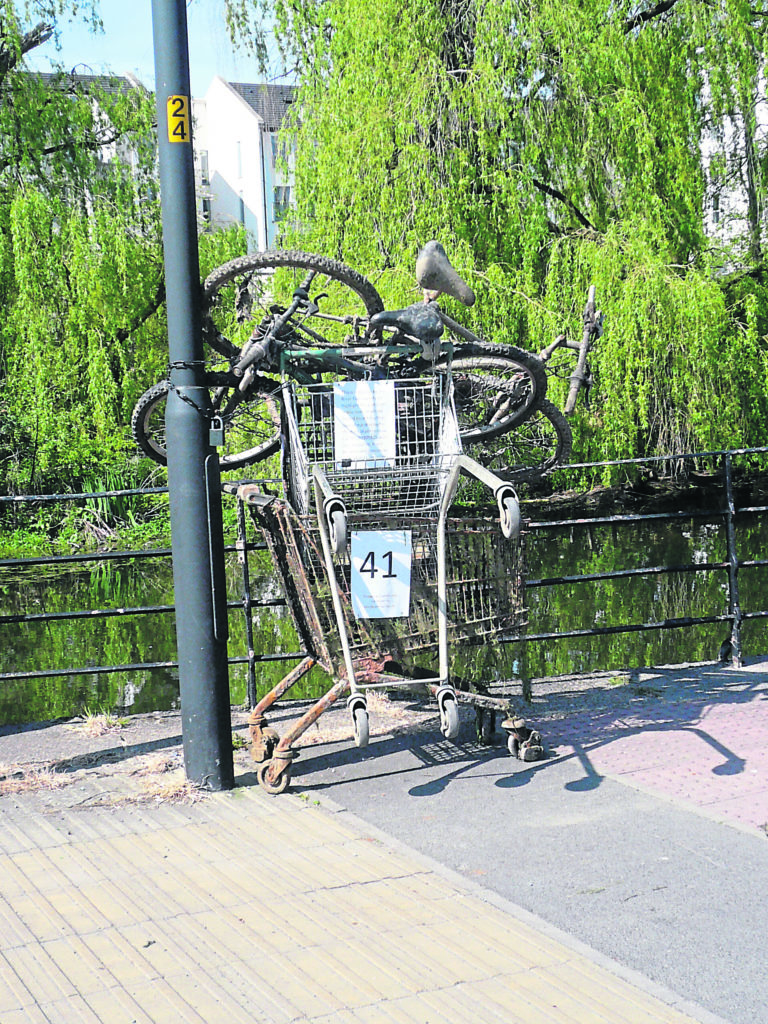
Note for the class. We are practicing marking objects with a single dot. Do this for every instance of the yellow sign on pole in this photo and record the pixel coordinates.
(178, 119)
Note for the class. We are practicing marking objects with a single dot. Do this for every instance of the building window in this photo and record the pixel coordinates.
(207, 211)
(204, 172)
(716, 208)
(242, 210)
(280, 150)
(282, 201)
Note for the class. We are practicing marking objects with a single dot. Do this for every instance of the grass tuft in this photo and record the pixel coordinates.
(99, 723)
(20, 779)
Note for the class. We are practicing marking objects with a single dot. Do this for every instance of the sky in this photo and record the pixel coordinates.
(126, 45)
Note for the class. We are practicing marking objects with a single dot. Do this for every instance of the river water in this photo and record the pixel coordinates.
(564, 551)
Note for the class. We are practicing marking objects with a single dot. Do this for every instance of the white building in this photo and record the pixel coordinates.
(244, 176)
(732, 208)
(108, 144)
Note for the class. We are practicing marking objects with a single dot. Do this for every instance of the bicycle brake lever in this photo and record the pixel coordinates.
(261, 351)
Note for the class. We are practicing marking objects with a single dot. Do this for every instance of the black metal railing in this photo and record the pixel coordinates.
(246, 602)
(725, 510)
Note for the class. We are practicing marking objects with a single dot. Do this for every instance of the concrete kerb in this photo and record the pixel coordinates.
(634, 978)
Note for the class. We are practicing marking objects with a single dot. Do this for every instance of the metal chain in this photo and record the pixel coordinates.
(193, 364)
(181, 364)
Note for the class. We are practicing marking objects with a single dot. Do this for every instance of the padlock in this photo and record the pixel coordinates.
(216, 432)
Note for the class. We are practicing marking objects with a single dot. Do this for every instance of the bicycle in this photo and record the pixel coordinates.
(272, 314)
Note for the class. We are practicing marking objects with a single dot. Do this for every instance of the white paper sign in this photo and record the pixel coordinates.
(381, 573)
(364, 421)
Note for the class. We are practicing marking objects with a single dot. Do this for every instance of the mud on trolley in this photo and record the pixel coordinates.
(375, 572)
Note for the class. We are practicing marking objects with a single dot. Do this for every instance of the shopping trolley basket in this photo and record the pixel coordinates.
(374, 571)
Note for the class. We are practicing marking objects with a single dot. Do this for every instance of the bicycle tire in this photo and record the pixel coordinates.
(246, 291)
(531, 451)
(494, 390)
(256, 417)
(471, 344)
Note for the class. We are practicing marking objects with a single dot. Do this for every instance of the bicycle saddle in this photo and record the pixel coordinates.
(435, 273)
(421, 321)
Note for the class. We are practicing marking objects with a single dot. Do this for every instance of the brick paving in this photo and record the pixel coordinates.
(710, 753)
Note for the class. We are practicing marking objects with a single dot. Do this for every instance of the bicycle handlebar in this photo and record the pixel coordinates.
(262, 350)
(592, 324)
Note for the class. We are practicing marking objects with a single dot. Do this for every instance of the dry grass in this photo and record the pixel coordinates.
(16, 778)
(157, 764)
(163, 781)
(177, 790)
(99, 723)
(160, 779)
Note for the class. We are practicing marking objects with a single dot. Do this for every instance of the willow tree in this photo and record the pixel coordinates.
(81, 273)
(80, 264)
(548, 146)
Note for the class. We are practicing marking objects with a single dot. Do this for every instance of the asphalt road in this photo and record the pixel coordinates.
(666, 888)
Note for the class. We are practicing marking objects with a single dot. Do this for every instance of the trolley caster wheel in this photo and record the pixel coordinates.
(523, 742)
(509, 515)
(271, 739)
(263, 743)
(274, 788)
(337, 530)
(533, 748)
(360, 725)
(449, 718)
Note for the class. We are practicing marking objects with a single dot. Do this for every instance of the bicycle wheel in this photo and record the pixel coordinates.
(242, 297)
(532, 450)
(251, 430)
(495, 391)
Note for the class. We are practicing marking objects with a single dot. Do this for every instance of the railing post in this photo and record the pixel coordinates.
(734, 606)
(242, 551)
(193, 468)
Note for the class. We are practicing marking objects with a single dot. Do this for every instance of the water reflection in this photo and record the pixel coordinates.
(576, 550)
(564, 551)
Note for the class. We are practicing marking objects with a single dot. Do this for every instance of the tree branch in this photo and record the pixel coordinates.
(149, 310)
(563, 198)
(645, 16)
(36, 36)
(92, 141)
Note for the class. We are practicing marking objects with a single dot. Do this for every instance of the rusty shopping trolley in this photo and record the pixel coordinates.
(374, 571)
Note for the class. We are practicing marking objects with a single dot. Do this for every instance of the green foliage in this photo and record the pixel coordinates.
(548, 147)
(83, 331)
(80, 263)
(680, 366)
(72, 370)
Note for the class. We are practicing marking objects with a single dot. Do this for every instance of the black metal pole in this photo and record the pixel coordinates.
(193, 469)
